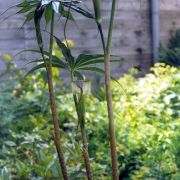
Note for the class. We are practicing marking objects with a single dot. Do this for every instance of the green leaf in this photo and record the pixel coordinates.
(44, 76)
(35, 61)
(58, 53)
(79, 75)
(66, 52)
(42, 65)
(84, 59)
(37, 18)
(93, 69)
(87, 59)
(29, 16)
(74, 7)
(58, 62)
(23, 4)
(24, 9)
(66, 14)
(59, 65)
(32, 50)
(101, 71)
(48, 13)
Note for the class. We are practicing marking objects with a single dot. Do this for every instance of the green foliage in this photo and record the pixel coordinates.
(171, 55)
(147, 122)
(63, 8)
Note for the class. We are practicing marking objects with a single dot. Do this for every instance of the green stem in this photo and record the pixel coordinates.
(109, 40)
(51, 40)
(107, 52)
(54, 107)
(102, 37)
(81, 117)
(79, 105)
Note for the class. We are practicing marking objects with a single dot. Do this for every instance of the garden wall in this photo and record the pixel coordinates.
(131, 38)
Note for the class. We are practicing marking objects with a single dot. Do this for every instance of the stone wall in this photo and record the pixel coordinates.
(131, 37)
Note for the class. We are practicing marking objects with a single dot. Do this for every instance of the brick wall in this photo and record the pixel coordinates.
(131, 37)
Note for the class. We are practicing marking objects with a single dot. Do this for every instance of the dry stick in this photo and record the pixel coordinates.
(81, 118)
(107, 51)
(54, 108)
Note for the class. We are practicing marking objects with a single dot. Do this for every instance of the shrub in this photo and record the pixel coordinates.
(147, 112)
(171, 55)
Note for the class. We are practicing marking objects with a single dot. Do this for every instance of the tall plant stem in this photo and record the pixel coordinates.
(54, 107)
(79, 104)
(107, 51)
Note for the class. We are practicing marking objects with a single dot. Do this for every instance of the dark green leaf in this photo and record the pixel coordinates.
(32, 50)
(23, 4)
(37, 19)
(35, 61)
(94, 69)
(48, 13)
(66, 14)
(66, 52)
(58, 62)
(79, 75)
(30, 16)
(39, 66)
(24, 9)
(74, 7)
(44, 76)
(85, 58)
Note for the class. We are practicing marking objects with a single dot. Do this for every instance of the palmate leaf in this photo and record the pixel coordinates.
(71, 4)
(23, 4)
(28, 8)
(84, 60)
(55, 59)
(58, 62)
(24, 10)
(27, 3)
(79, 75)
(93, 69)
(55, 63)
